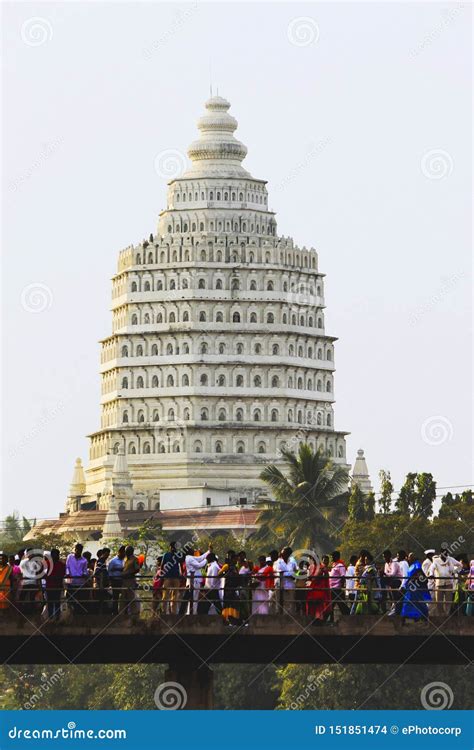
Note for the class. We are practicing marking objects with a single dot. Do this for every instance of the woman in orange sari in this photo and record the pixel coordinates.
(318, 597)
(5, 582)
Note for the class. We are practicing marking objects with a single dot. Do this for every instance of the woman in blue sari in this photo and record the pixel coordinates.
(416, 594)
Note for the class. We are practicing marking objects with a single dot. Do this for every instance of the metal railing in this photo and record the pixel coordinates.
(247, 594)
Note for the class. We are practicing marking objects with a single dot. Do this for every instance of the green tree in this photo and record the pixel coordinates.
(386, 491)
(367, 686)
(467, 498)
(448, 508)
(63, 542)
(148, 536)
(406, 501)
(459, 508)
(356, 506)
(310, 501)
(425, 495)
(245, 686)
(370, 506)
(13, 531)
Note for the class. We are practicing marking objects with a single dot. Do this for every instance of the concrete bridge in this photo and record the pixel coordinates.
(190, 644)
(280, 639)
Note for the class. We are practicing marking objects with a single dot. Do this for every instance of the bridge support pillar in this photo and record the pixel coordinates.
(197, 682)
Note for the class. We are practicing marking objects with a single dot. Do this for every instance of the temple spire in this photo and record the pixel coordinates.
(112, 528)
(78, 482)
(217, 153)
(360, 473)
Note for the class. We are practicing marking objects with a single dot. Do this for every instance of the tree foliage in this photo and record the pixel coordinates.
(367, 686)
(356, 506)
(386, 491)
(13, 530)
(310, 500)
(369, 505)
(417, 495)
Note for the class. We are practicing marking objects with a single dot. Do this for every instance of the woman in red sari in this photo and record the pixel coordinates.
(318, 597)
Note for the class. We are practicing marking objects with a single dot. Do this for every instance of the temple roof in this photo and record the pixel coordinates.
(216, 153)
(360, 473)
(211, 519)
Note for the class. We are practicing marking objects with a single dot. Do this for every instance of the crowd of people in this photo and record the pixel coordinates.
(186, 581)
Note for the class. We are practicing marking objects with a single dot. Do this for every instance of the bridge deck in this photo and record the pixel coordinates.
(206, 639)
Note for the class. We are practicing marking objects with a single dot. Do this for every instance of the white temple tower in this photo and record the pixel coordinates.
(360, 473)
(218, 355)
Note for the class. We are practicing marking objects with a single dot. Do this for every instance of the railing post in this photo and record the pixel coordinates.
(280, 594)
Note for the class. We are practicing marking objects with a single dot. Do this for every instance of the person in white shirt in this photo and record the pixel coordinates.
(403, 565)
(350, 578)
(390, 581)
(212, 584)
(425, 566)
(402, 574)
(443, 569)
(285, 568)
(194, 564)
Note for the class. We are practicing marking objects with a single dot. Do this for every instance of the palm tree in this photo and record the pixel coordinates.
(310, 502)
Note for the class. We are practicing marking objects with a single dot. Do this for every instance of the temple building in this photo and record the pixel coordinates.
(218, 356)
(360, 473)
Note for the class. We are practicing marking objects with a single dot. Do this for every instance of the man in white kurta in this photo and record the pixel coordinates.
(443, 569)
(194, 565)
(425, 566)
(285, 569)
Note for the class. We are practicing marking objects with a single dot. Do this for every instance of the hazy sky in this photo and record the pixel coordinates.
(358, 115)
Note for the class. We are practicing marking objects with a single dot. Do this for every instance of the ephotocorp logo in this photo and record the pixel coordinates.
(303, 31)
(437, 696)
(36, 31)
(437, 164)
(170, 696)
(36, 298)
(170, 163)
(308, 562)
(37, 564)
(436, 430)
